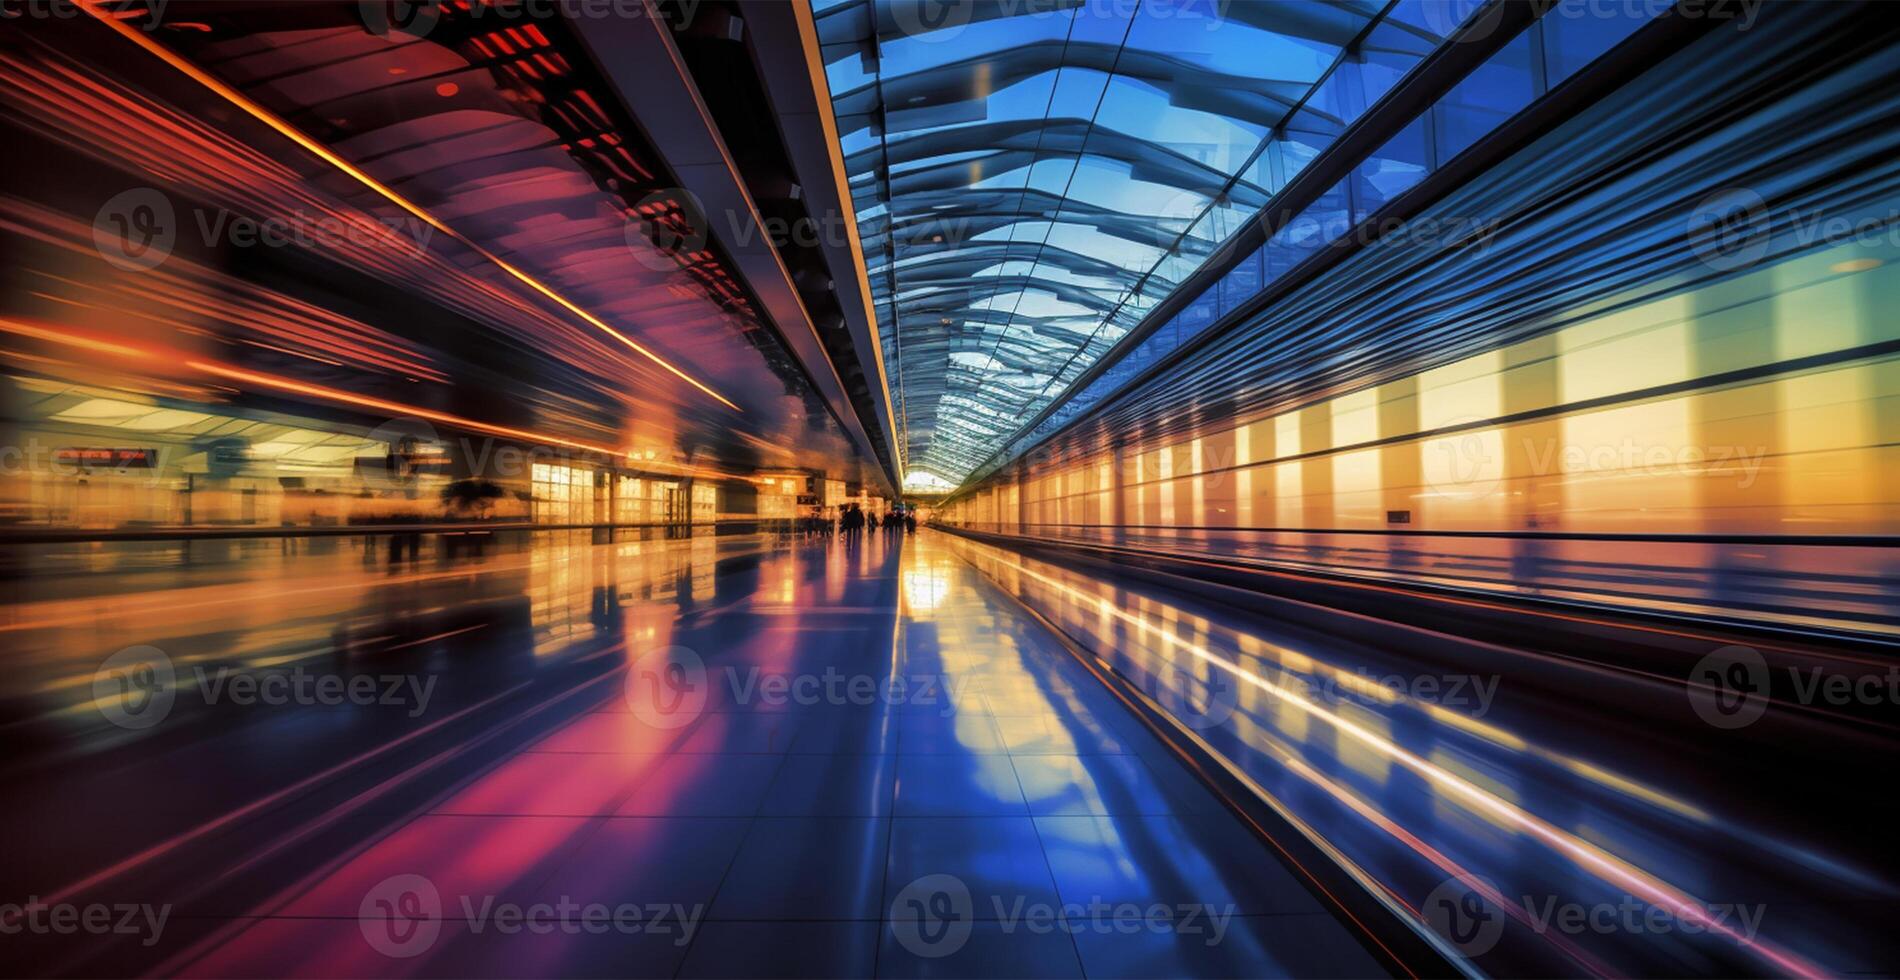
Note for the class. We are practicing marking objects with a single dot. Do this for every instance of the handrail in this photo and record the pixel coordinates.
(1837, 540)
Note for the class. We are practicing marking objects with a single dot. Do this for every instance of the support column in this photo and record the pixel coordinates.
(1022, 499)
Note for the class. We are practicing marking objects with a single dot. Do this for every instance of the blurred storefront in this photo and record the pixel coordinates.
(74, 456)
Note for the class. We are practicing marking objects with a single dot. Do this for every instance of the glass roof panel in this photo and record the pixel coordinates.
(1032, 177)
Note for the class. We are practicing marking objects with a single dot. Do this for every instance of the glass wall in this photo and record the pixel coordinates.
(563, 494)
(1554, 49)
(1808, 449)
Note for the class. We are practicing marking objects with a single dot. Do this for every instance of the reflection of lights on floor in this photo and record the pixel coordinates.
(924, 588)
(1474, 798)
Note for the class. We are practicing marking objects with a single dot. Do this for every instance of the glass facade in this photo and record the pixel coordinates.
(563, 494)
(1550, 52)
(1031, 182)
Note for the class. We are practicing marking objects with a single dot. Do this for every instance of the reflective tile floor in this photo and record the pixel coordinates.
(871, 764)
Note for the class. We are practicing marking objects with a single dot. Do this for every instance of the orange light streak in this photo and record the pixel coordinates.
(72, 339)
(323, 153)
(394, 408)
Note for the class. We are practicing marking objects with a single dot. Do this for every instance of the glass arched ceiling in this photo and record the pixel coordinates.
(1032, 176)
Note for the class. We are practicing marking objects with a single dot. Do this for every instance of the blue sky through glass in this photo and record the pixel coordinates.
(1032, 176)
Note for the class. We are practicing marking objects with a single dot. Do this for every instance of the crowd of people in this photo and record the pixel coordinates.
(853, 520)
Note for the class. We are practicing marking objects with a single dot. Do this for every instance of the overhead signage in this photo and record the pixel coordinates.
(107, 458)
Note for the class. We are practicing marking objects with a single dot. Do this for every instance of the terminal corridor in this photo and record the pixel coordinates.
(949, 488)
(854, 727)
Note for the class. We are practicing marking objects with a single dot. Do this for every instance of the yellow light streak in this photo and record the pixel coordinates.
(323, 153)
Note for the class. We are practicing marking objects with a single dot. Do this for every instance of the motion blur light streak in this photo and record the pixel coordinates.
(1361, 489)
(298, 387)
(316, 391)
(144, 40)
(1587, 855)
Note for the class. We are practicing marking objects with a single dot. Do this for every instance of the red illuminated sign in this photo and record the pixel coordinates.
(124, 459)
